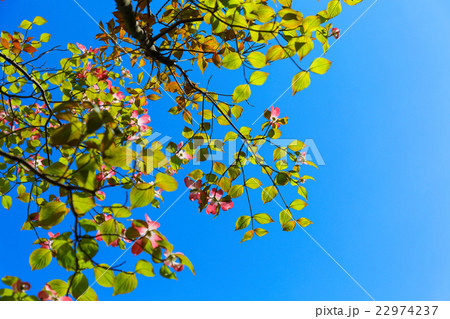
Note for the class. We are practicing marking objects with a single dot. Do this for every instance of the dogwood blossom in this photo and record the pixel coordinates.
(171, 260)
(215, 202)
(146, 232)
(49, 294)
(196, 189)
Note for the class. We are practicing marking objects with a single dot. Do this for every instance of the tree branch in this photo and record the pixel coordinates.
(42, 175)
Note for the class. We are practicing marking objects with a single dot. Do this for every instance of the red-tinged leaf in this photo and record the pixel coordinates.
(247, 236)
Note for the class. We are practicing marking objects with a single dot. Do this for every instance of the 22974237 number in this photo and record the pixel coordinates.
(406, 310)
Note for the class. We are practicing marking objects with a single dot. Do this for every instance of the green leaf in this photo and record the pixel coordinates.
(196, 174)
(219, 168)
(300, 81)
(278, 153)
(241, 93)
(258, 78)
(118, 156)
(124, 283)
(311, 23)
(6, 201)
(87, 249)
(298, 204)
(242, 222)
(144, 268)
(109, 231)
(88, 295)
(230, 136)
(185, 261)
(285, 216)
(296, 145)
(236, 191)
(82, 203)
(304, 222)
(320, 66)
(289, 226)
(247, 236)
(25, 25)
(52, 213)
(352, 2)
(285, 3)
(141, 195)
(257, 59)
(232, 61)
(66, 256)
(39, 21)
(166, 182)
(334, 8)
(79, 285)
(260, 232)
(59, 286)
(45, 37)
(253, 183)
(40, 258)
(103, 275)
(302, 191)
(263, 218)
(268, 194)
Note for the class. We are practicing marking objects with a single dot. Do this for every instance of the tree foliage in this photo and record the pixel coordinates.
(72, 133)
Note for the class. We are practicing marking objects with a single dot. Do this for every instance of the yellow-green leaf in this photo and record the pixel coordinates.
(268, 194)
(166, 182)
(258, 78)
(260, 232)
(352, 2)
(232, 61)
(247, 236)
(334, 8)
(40, 258)
(263, 218)
(242, 222)
(241, 93)
(300, 81)
(124, 283)
(304, 222)
(257, 59)
(298, 204)
(320, 66)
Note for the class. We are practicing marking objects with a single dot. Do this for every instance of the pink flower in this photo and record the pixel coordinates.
(100, 195)
(126, 73)
(48, 243)
(141, 121)
(39, 108)
(182, 153)
(302, 158)
(196, 189)
(274, 114)
(105, 174)
(158, 193)
(119, 96)
(49, 294)
(36, 135)
(171, 260)
(335, 32)
(146, 232)
(215, 203)
(36, 161)
(20, 286)
(101, 74)
(83, 49)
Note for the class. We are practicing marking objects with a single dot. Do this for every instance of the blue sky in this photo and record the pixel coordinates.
(380, 205)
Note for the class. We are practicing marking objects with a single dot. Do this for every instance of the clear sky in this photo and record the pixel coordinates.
(380, 205)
